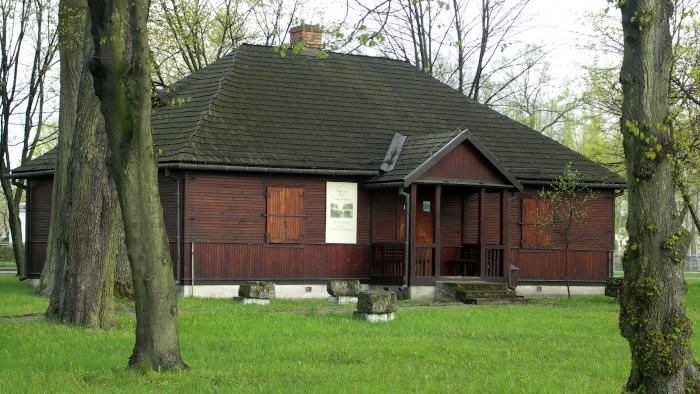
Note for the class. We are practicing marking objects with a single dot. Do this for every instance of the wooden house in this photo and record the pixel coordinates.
(302, 168)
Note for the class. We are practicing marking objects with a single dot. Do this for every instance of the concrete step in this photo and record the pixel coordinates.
(447, 290)
(496, 301)
(483, 286)
(462, 295)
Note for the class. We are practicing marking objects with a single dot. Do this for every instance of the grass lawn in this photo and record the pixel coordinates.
(688, 274)
(573, 347)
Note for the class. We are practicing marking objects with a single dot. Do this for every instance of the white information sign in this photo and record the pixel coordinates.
(341, 213)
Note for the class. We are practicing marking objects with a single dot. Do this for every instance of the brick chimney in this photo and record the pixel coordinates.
(310, 34)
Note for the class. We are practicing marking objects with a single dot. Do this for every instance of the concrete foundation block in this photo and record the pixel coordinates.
(376, 301)
(248, 301)
(344, 288)
(257, 289)
(343, 300)
(373, 317)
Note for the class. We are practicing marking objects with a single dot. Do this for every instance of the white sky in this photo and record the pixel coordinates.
(558, 25)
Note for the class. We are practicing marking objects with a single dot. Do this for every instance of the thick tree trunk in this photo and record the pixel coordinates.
(121, 69)
(72, 30)
(652, 311)
(85, 226)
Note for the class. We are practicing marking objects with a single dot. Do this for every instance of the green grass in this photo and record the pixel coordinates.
(18, 298)
(688, 274)
(572, 347)
(8, 264)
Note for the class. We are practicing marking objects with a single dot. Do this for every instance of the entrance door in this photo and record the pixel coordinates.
(425, 232)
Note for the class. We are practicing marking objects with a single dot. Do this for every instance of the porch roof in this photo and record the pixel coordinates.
(421, 152)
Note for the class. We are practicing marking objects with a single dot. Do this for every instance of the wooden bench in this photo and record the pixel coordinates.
(469, 264)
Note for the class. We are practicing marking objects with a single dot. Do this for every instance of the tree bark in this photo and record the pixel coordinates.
(121, 72)
(72, 27)
(122, 274)
(652, 311)
(85, 229)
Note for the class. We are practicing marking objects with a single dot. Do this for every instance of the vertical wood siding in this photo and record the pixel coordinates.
(588, 253)
(224, 217)
(451, 222)
(38, 223)
(225, 261)
(465, 162)
(470, 211)
(39, 219)
(167, 188)
(493, 218)
(229, 208)
(386, 215)
(584, 265)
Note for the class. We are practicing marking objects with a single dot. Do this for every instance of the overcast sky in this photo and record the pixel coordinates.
(558, 26)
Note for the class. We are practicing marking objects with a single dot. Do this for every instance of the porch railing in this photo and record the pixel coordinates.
(493, 262)
(388, 259)
(425, 260)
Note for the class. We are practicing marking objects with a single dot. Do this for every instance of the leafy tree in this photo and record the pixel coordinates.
(190, 34)
(121, 73)
(566, 212)
(652, 304)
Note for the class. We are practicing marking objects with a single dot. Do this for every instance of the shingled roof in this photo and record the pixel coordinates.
(256, 108)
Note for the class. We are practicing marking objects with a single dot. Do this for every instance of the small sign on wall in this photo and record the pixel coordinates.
(341, 213)
(426, 206)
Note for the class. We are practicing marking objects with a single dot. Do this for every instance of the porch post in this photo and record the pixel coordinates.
(482, 231)
(438, 233)
(412, 231)
(505, 237)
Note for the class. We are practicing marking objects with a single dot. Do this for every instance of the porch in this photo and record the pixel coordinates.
(456, 233)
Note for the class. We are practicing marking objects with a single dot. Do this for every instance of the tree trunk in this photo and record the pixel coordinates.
(85, 229)
(122, 274)
(485, 31)
(566, 259)
(460, 46)
(652, 311)
(14, 223)
(121, 72)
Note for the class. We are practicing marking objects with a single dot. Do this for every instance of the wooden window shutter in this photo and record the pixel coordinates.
(294, 207)
(528, 233)
(275, 208)
(544, 233)
(285, 214)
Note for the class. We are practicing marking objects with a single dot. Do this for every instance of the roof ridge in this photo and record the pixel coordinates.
(381, 57)
(207, 111)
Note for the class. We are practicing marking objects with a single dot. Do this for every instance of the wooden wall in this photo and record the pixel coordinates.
(590, 249)
(387, 216)
(466, 163)
(223, 216)
(38, 223)
(39, 218)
